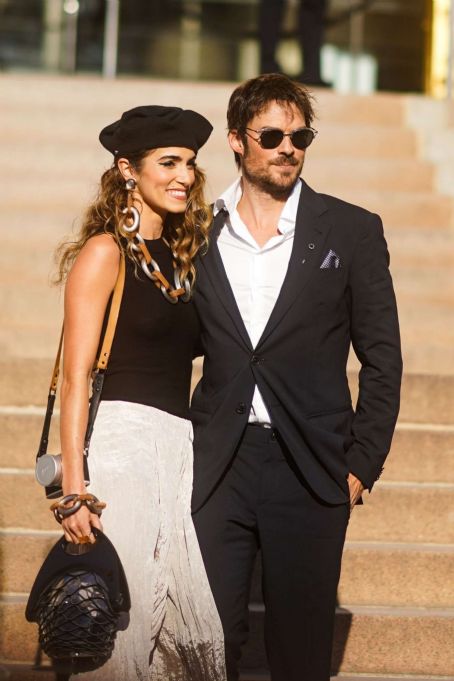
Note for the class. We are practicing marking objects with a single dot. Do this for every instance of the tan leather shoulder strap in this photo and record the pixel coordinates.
(103, 357)
(99, 367)
(56, 371)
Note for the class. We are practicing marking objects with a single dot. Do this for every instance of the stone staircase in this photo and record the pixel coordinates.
(396, 598)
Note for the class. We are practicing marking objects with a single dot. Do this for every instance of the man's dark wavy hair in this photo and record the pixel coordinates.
(255, 95)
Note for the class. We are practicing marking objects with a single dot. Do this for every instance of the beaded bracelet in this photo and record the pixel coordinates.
(61, 510)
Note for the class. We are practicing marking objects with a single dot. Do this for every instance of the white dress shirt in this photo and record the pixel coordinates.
(255, 273)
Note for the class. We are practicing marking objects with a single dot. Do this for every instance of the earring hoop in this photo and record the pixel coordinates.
(134, 227)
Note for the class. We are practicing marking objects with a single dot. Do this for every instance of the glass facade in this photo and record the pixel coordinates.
(211, 40)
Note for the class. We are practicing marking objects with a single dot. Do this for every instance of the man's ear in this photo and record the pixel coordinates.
(125, 168)
(236, 143)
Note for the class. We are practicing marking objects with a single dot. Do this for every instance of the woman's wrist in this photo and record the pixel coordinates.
(73, 487)
(73, 479)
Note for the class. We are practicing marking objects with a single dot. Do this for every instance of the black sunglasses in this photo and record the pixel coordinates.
(270, 138)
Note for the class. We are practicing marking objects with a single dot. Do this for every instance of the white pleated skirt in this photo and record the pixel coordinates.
(140, 463)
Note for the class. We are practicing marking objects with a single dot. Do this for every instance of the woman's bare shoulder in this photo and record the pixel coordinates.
(98, 260)
(101, 247)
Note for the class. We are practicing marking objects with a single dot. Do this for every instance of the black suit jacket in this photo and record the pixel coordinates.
(299, 363)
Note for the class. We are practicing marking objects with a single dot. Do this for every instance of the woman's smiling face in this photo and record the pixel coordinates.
(165, 178)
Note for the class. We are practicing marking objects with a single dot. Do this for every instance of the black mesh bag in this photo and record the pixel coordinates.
(79, 600)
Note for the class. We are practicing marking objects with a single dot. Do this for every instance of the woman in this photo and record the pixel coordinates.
(150, 203)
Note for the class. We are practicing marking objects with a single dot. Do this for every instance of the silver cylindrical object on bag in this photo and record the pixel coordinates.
(48, 470)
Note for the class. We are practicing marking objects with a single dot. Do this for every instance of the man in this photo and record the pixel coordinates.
(310, 30)
(291, 278)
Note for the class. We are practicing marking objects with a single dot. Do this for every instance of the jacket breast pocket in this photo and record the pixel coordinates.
(328, 286)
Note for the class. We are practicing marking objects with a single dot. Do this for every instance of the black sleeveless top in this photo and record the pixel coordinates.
(154, 342)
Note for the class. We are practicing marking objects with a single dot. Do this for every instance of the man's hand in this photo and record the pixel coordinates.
(356, 489)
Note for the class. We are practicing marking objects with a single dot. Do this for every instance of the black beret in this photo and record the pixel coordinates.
(150, 127)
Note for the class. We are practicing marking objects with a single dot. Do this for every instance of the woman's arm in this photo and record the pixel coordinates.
(90, 283)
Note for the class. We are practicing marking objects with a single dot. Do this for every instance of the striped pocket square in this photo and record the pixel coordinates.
(331, 261)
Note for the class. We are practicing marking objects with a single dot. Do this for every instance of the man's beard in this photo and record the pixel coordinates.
(262, 180)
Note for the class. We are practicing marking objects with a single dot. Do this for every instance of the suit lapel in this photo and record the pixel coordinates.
(214, 267)
(311, 230)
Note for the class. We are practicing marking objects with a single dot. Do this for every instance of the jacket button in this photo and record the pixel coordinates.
(255, 359)
(240, 408)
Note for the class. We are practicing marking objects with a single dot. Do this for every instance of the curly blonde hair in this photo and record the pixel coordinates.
(186, 232)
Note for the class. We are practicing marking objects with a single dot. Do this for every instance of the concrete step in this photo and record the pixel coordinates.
(265, 676)
(42, 302)
(26, 672)
(87, 101)
(423, 280)
(42, 229)
(428, 348)
(405, 512)
(33, 299)
(387, 574)
(334, 140)
(394, 512)
(326, 174)
(21, 431)
(437, 145)
(418, 276)
(424, 285)
(385, 186)
(435, 357)
(32, 314)
(378, 641)
(47, 137)
(427, 336)
(29, 340)
(23, 553)
(419, 453)
(373, 573)
(418, 272)
(365, 140)
(332, 175)
(416, 641)
(411, 250)
(411, 575)
(25, 382)
(95, 94)
(22, 672)
(399, 210)
(405, 210)
(32, 237)
(426, 399)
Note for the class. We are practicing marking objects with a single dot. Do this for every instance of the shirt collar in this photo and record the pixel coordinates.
(229, 200)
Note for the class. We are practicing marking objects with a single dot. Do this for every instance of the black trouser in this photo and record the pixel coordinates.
(263, 502)
(311, 19)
